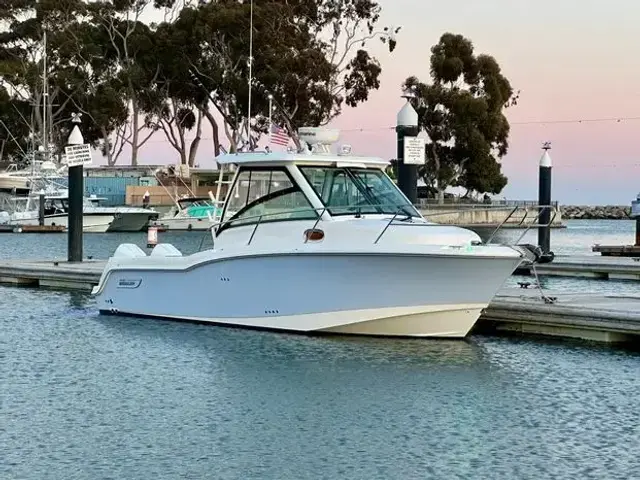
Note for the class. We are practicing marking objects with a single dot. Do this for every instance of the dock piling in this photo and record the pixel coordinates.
(41, 201)
(407, 128)
(76, 192)
(635, 213)
(544, 202)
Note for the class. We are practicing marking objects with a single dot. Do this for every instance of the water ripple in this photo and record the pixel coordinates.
(91, 397)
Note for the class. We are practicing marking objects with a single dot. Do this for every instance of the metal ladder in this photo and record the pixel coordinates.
(218, 202)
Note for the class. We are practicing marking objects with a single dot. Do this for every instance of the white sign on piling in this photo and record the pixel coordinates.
(414, 151)
(78, 155)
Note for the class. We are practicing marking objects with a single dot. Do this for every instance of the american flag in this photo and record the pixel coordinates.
(279, 135)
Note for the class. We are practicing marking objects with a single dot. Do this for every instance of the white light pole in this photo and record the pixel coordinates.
(250, 73)
(270, 115)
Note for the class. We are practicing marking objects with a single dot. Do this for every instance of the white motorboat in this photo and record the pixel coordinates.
(125, 219)
(20, 181)
(25, 211)
(10, 181)
(95, 218)
(315, 242)
(189, 213)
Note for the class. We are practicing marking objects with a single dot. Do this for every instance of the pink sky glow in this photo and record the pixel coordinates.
(571, 59)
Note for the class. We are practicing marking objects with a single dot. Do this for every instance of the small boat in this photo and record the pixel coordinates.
(315, 242)
(95, 218)
(19, 181)
(189, 213)
(125, 219)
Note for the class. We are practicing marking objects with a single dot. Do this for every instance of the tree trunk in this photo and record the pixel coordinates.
(436, 162)
(107, 150)
(214, 128)
(135, 132)
(193, 149)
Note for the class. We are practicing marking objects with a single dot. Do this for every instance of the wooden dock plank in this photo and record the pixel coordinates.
(53, 274)
(617, 250)
(591, 266)
(609, 318)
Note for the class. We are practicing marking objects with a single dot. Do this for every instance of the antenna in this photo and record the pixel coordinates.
(250, 72)
(45, 98)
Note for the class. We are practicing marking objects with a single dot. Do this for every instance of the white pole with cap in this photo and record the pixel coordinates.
(75, 161)
(410, 151)
(544, 203)
(270, 115)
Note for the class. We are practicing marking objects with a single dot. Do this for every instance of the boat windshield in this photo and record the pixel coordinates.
(345, 191)
(266, 194)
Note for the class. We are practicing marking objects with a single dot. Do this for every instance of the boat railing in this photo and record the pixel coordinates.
(521, 222)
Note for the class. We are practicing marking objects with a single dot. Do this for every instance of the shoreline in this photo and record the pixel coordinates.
(597, 212)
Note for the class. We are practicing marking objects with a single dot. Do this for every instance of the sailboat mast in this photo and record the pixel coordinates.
(250, 72)
(45, 99)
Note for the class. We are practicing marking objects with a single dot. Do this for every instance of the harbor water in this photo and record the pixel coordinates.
(84, 396)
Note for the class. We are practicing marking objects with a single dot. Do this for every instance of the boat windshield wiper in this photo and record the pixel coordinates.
(404, 209)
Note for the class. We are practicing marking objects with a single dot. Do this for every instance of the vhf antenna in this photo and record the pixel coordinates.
(250, 73)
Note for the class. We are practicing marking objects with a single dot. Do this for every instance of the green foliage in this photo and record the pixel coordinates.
(461, 110)
(130, 79)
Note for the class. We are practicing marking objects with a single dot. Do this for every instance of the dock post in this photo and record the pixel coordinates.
(635, 213)
(41, 209)
(75, 161)
(407, 129)
(544, 202)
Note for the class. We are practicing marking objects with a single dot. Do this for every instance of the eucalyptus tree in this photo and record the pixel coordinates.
(461, 109)
(311, 57)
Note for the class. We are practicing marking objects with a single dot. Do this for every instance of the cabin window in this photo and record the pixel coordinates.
(346, 191)
(264, 195)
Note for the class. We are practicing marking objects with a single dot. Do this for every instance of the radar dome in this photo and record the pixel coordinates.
(318, 135)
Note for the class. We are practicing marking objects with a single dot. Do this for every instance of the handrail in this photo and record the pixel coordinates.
(502, 224)
(322, 210)
(301, 210)
(542, 208)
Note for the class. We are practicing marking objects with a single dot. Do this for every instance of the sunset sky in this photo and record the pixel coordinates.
(571, 59)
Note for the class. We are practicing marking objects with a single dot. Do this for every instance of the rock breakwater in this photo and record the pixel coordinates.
(598, 212)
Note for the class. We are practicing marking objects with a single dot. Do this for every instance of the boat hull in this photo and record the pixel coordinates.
(183, 223)
(11, 182)
(130, 222)
(365, 294)
(90, 223)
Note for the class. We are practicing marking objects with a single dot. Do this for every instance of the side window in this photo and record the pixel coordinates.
(267, 193)
(336, 189)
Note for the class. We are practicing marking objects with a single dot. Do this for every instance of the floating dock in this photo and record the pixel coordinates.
(604, 318)
(617, 250)
(52, 274)
(606, 268)
(32, 229)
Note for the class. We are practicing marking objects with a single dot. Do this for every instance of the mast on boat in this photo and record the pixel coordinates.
(250, 73)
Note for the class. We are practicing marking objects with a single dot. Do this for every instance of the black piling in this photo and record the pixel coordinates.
(544, 202)
(41, 201)
(407, 126)
(74, 226)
